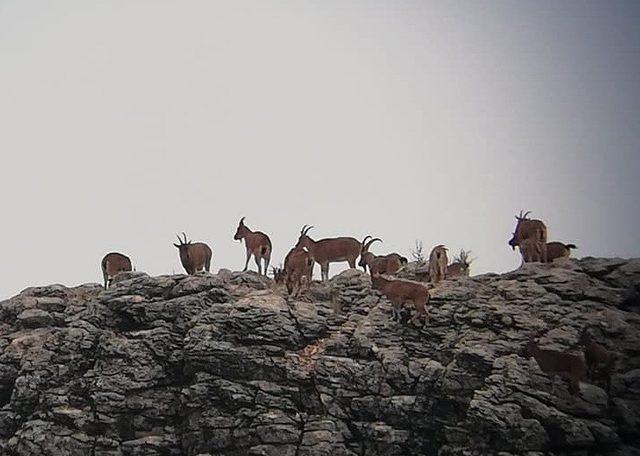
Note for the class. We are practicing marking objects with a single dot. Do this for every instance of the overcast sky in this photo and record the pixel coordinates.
(125, 122)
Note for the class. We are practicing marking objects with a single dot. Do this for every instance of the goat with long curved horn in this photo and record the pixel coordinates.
(379, 264)
(329, 250)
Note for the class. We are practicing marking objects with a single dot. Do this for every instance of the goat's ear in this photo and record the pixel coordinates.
(177, 246)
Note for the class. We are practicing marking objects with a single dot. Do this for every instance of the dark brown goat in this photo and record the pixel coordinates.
(330, 250)
(257, 244)
(532, 229)
(194, 256)
(596, 355)
(563, 364)
(402, 291)
(112, 264)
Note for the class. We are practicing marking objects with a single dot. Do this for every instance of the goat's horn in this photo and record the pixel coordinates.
(179, 240)
(302, 230)
(525, 214)
(185, 238)
(364, 241)
(242, 220)
(307, 230)
(372, 241)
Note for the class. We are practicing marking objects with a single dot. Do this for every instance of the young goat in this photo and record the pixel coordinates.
(438, 263)
(194, 257)
(401, 291)
(330, 250)
(558, 250)
(535, 230)
(257, 243)
(564, 364)
(112, 264)
(379, 264)
(460, 265)
(298, 270)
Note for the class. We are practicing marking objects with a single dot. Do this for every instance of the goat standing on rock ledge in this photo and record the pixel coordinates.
(194, 257)
(112, 264)
(329, 250)
(257, 243)
(533, 230)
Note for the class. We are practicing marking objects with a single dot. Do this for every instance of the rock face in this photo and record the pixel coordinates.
(226, 365)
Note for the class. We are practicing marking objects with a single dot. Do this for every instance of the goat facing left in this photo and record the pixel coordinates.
(257, 244)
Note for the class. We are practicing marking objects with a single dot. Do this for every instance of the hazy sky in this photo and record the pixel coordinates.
(125, 122)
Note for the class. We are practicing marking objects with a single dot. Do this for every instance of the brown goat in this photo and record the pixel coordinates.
(379, 264)
(558, 250)
(194, 257)
(530, 250)
(596, 355)
(530, 229)
(330, 250)
(438, 263)
(402, 291)
(257, 243)
(112, 264)
(563, 364)
(460, 265)
(298, 270)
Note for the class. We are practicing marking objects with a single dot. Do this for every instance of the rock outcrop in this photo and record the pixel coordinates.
(226, 365)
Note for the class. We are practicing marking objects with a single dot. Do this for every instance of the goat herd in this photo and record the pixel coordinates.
(530, 236)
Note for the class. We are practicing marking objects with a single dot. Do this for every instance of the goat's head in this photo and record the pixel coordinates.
(183, 247)
(304, 240)
(515, 239)
(364, 249)
(240, 232)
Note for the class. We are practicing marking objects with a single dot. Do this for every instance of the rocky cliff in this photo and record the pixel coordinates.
(225, 365)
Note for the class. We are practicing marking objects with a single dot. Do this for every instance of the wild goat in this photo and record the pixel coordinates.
(112, 264)
(401, 291)
(298, 270)
(460, 265)
(563, 364)
(558, 250)
(194, 257)
(331, 250)
(530, 250)
(278, 275)
(438, 263)
(530, 229)
(596, 355)
(379, 264)
(257, 243)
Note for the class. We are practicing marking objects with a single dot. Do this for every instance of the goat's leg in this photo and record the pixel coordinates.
(258, 262)
(246, 263)
(267, 260)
